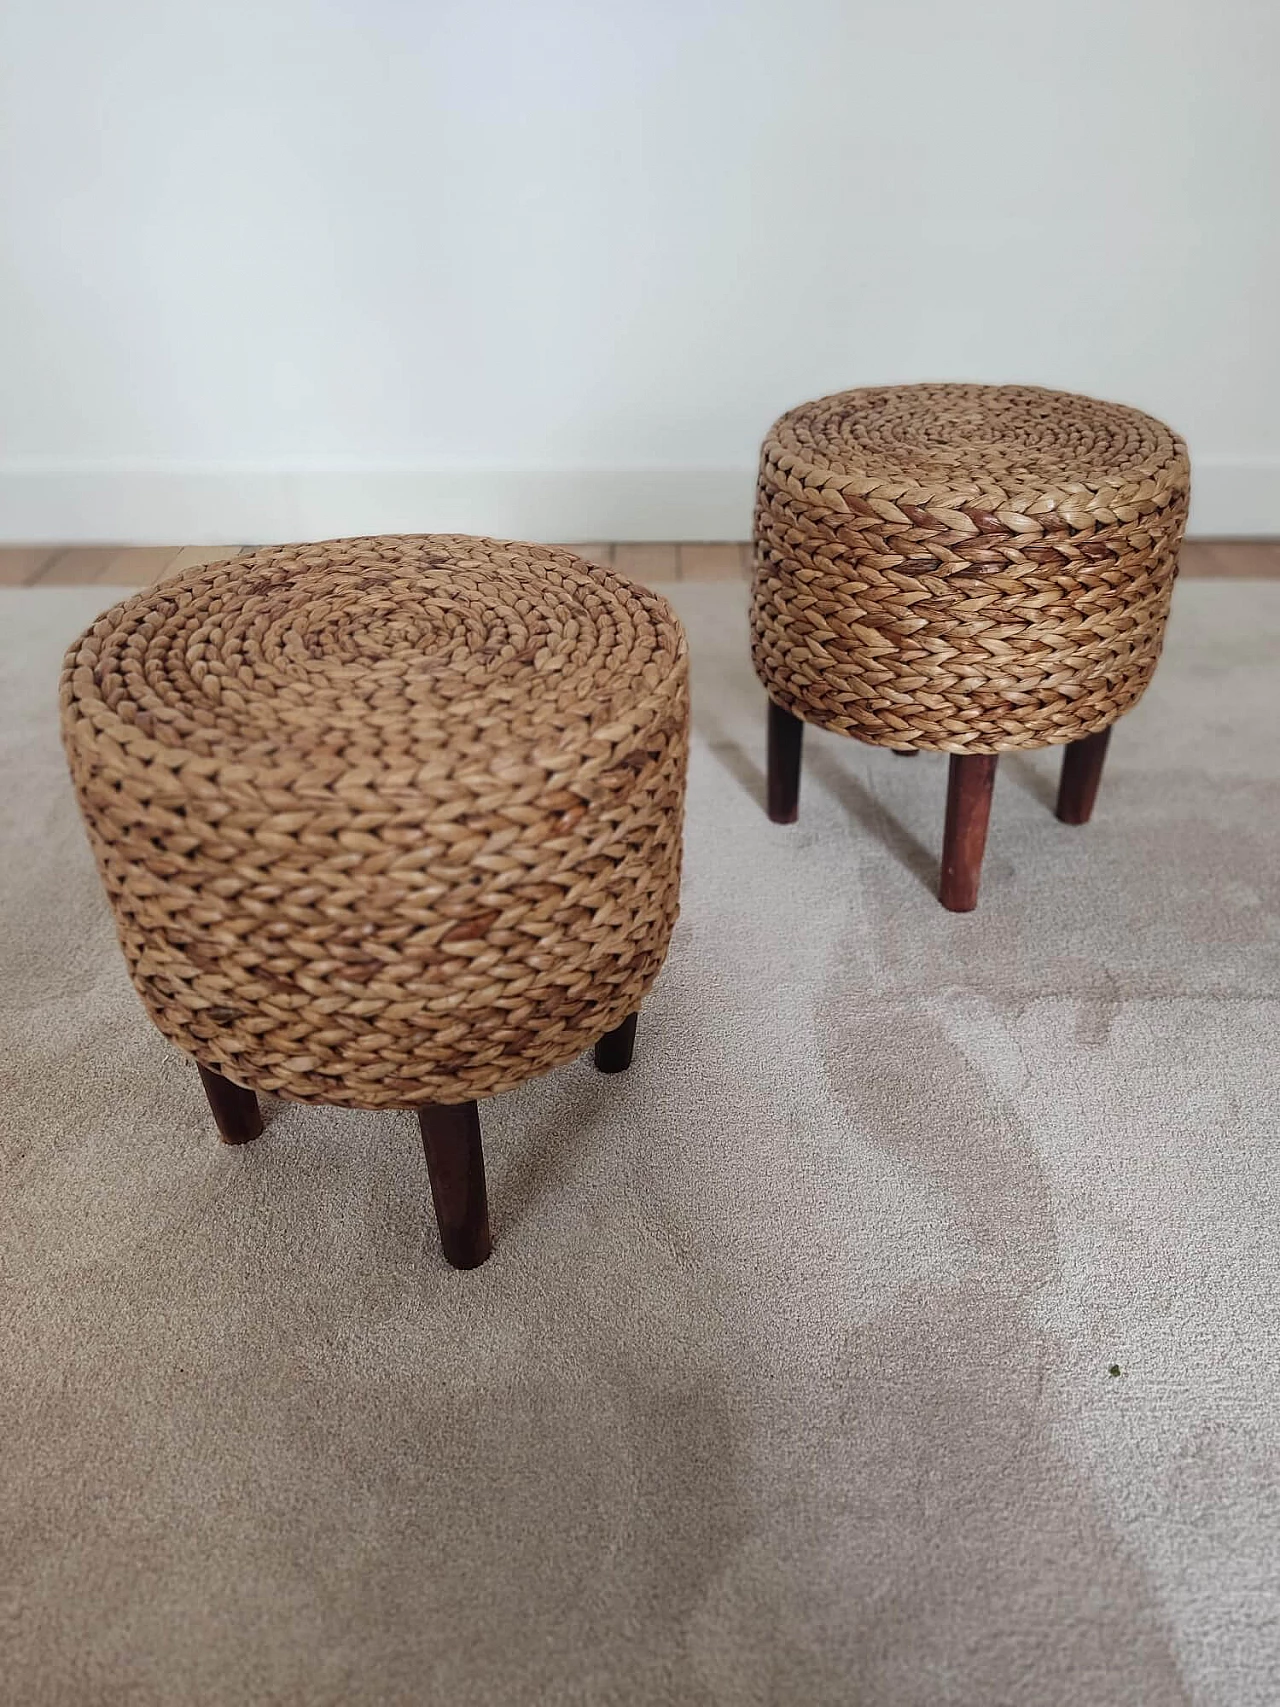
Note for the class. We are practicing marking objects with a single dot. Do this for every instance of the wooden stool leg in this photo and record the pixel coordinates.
(455, 1167)
(235, 1109)
(969, 785)
(786, 735)
(1081, 774)
(616, 1047)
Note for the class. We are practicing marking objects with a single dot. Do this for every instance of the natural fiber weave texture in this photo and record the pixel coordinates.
(386, 821)
(965, 568)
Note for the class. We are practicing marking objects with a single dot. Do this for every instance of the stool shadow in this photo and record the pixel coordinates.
(542, 1156)
(857, 800)
(871, 815)
(734, 757)
(1021, 770)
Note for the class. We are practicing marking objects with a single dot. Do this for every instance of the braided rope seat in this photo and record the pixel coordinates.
(385, 822)
(964, 568)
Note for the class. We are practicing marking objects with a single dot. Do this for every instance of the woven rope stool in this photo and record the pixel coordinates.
(964, 569)
(387, 823)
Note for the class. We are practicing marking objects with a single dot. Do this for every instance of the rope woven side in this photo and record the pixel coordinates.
(386, 821)
(964, 568)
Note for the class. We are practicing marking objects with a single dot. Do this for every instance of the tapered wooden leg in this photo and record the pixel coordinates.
(616, 1047)
(455, 1167)
(235, 1109)
(1081, 774)
(969, 785)
(786, 736)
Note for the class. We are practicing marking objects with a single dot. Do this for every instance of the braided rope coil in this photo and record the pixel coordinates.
(386, 821)
(964, 568)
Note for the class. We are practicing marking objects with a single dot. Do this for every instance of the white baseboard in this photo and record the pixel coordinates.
(184, 505)
(213, 506)
(1235, 498)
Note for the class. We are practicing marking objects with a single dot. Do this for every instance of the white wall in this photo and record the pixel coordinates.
(549, 267)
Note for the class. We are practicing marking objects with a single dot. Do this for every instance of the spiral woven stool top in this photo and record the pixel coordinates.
(385, 821)
(967, 568)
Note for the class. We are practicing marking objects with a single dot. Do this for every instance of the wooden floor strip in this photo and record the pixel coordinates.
(652, 563)
(139, 565)
(20, 565)
(77, 566)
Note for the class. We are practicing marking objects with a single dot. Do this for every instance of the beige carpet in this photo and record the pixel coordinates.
(788, 1381)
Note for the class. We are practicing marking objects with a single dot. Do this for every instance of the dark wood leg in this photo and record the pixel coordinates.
(616, 1047)
(235, 1109)
(969, 785)
(1081, 774)
(786, 735)
(455, 1167)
